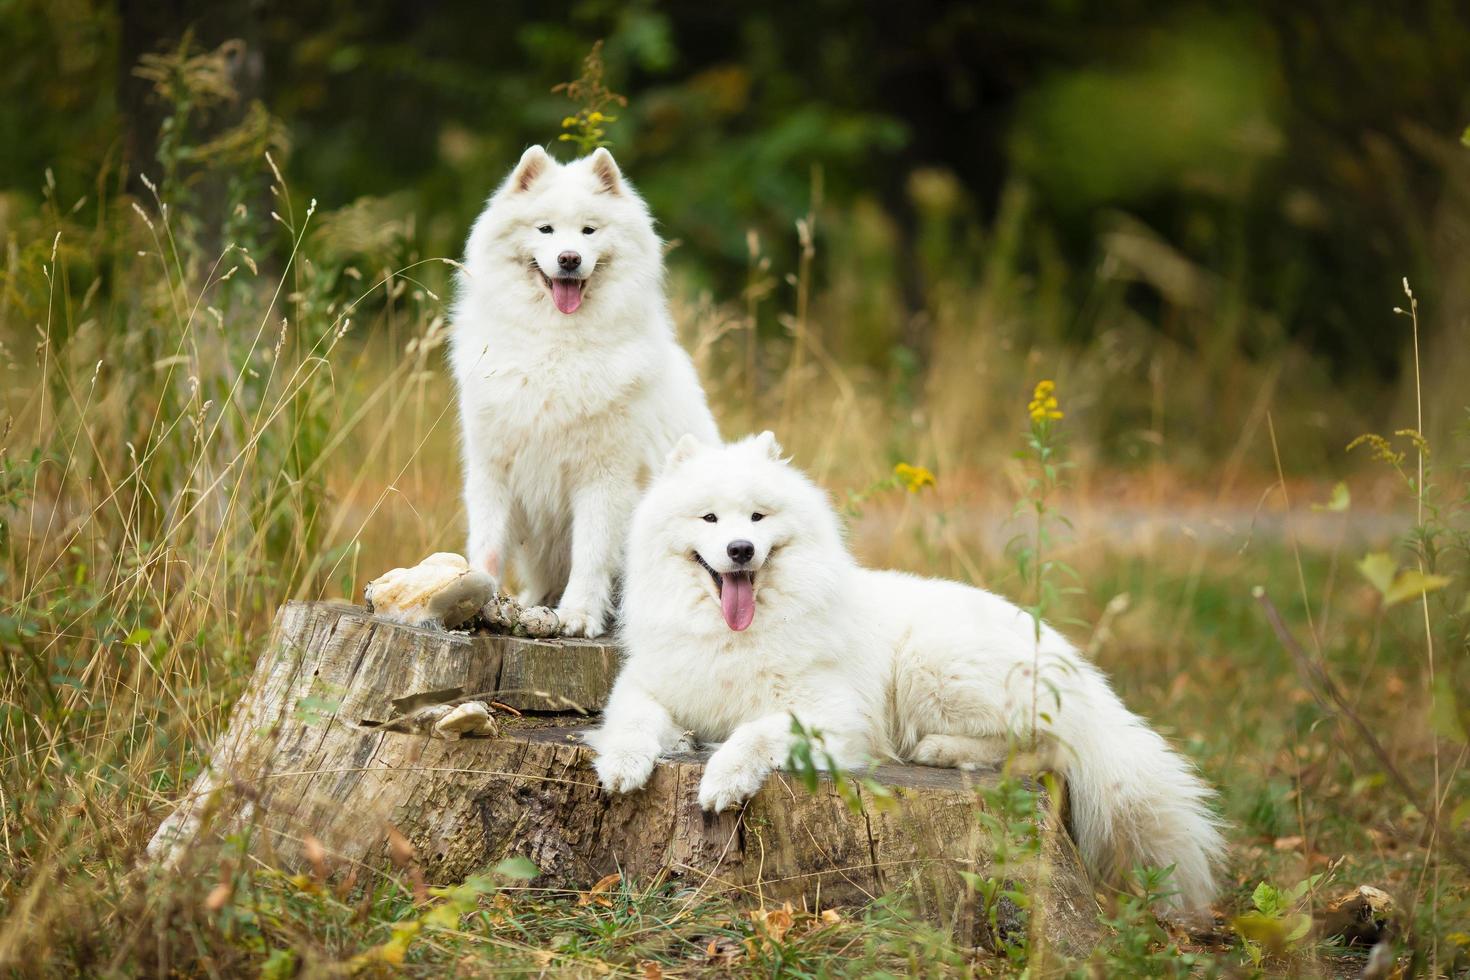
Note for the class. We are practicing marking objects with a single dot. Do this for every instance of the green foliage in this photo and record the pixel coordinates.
(1137, 945)
(1278, 921)
(812, 762)
(1010, 817)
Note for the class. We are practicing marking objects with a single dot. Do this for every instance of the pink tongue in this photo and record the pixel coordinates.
(566, 294)
(737, 599)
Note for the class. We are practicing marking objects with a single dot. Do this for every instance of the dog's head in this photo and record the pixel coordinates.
(733, 538)
(571, 232)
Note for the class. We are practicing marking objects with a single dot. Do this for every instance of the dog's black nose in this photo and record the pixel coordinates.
(569, 260)
(740, 552)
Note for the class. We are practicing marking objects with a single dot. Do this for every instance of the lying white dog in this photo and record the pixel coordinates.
(572, 387)
(742, 608)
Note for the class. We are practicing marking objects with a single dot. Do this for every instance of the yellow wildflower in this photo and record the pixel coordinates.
(569, 122)
(915, 478)
(1044, 405)
(1379, 446)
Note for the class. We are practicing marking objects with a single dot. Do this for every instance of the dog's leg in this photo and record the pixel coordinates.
(487, 506)
(739, 767)
(599, 516)
(960, 751)
(635, 731)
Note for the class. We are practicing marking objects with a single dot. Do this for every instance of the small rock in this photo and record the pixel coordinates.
(469, 718)
(440, 591)
(502, 613)
(1363, 917)
(540, 622)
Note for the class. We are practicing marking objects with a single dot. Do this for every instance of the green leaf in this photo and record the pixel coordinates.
(1339, 500)
(1465, 136)
(443, 917)
(1298, 926)
(139, 636)
(1379, 569)
(1294, 893)
(1266, 899)
(1411, 584)
(517, 867)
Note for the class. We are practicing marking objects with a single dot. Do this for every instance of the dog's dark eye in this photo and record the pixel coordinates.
(544, 229)
(710, 518)
(588, 230)
(756, 517)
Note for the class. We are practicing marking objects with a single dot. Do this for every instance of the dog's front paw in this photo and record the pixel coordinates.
(730, 778)
(622, 769)
(580, 622)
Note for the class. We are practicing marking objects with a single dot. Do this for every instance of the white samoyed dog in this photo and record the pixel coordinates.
(742, 608)
(572, 387)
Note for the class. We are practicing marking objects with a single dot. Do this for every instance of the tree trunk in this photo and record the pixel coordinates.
(306, 755)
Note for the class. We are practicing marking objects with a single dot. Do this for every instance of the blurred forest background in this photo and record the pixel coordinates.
(223, 303)
(1237, 178)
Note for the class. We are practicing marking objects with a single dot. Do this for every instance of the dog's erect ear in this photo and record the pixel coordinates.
(686, 447)
(534, 163)
(767, 441)
(605, 170)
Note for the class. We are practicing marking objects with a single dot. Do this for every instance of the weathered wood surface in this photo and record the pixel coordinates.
(296, 763)
(369, 670)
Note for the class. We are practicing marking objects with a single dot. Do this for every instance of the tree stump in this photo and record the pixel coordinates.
(306, 755)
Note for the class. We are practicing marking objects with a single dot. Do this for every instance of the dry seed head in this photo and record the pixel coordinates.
(144, 215)
(274, 169)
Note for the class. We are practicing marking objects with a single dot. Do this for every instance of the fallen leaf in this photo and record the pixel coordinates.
(1287, 843)
(595, 895)
(651, 970)
(316, 856)
(399, 849)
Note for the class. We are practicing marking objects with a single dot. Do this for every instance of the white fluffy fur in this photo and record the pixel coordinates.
(565, 416)
(885, 665)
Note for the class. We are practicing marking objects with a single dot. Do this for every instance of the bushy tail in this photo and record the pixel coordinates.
(1135, 801)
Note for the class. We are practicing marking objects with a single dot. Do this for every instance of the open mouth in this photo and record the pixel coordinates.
(566, 293)
(737, 595)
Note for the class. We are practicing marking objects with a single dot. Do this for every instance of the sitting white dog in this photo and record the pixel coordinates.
(742, 607)
(572, 388)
